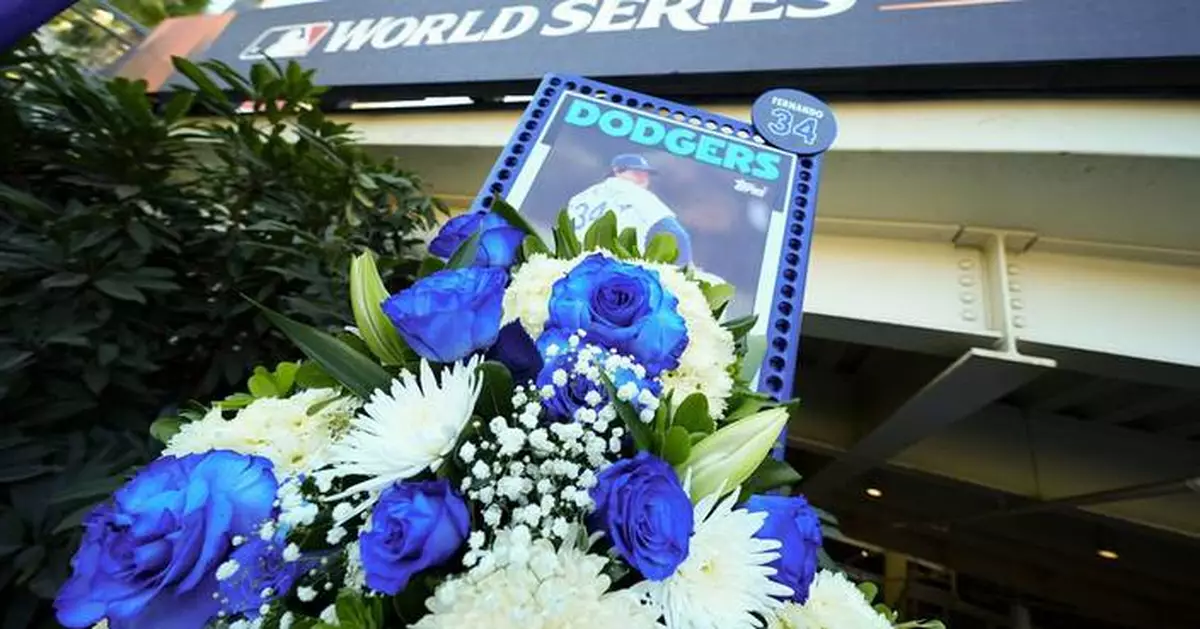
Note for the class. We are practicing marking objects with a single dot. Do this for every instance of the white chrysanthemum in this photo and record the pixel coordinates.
(528, 296)
(406, 430)
(525, 584)
(704, 364)
(834, 602)
(725, 578)
(294, 433)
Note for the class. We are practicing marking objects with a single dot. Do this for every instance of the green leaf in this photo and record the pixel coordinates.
(533, 245)
(464, 256)
(921, 624)
(106, 353)
(310, 375)
(367, 295)
(869, 590)
(495, 397)
(356, 612)
(164, 428)
(566, 244)
(748, 405)
(356, 372)
(602, 234)
(262, 384)
(179, 106)
(89, 489)
(429, 266)
(676, 446)
(285, 376)
(120, 290)
(198, 76)
(662, 248)
(96, 378)
(514, 218)
(718, 296)
(140, 235)
(741, 326)
(771, 474)
(242, 400)
(21, 198)
(629, 241)
(693, 415)
(14, 473)
(64, 280)
(28, 561)
(756, 349)
(73, 519)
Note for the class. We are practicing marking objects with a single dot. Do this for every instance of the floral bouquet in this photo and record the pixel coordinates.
(525, 437)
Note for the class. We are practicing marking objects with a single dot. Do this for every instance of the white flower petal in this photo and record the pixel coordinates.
(406, 430)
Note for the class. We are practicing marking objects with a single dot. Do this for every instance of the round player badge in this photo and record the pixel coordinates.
(794, 121)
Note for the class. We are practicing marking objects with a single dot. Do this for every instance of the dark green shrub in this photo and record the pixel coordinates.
(129, 238)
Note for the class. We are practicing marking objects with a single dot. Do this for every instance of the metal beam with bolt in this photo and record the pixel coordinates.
(975, 380)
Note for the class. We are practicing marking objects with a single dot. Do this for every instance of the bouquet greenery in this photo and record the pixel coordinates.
(525, 437)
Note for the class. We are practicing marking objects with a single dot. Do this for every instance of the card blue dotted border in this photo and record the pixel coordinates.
(783, 319)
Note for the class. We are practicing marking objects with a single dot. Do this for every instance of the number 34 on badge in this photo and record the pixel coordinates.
(794, 121)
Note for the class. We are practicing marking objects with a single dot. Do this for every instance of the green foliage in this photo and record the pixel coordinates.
(870, 591)
(495, 397)
(130, 236)
(344, 363)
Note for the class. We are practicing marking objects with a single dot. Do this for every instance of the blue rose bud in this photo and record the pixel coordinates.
(621, 306)
(515, 350)
(414, 526)
(796, 525)
(149, 557)
(450, 315)
(498, 240)
(644, 511)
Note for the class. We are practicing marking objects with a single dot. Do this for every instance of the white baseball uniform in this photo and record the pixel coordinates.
(634, 206)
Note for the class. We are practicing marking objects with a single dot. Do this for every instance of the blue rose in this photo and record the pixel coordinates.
(643, 509)
(414, 526)
(149, 557)
(574, 395)
(498, 240)
(261, 568)
(795, 524)
(515, 350)
(623, 307)
(450, 314)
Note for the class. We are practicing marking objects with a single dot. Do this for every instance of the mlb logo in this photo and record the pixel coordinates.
(286, 42)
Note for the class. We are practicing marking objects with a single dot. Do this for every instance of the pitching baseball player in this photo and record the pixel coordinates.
(626, 192)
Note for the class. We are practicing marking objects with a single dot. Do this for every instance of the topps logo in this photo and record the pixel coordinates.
(286, 42)
(560, 19)
(750, 188)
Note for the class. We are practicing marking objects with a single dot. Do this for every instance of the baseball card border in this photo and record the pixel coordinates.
(781, 324)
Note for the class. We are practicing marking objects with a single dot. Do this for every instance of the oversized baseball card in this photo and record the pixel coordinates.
(740, 209)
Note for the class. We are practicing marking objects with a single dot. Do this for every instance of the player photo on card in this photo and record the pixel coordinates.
(722, 197)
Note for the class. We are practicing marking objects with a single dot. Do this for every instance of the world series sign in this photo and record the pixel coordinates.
(462, 46)
(739, 198)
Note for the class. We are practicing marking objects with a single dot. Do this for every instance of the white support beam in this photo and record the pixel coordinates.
(938, 289)
(1107, 305)
(975, 380)
(1166, 128)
